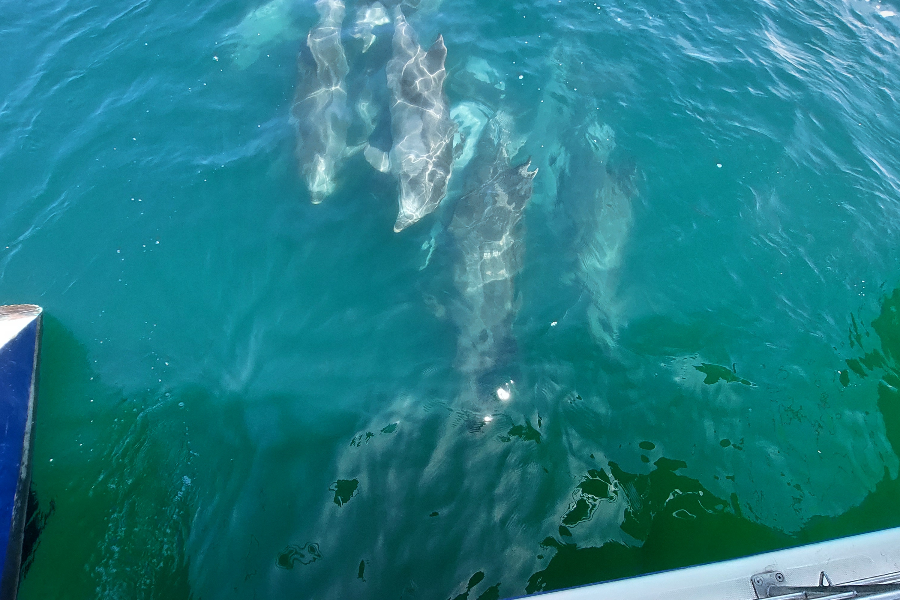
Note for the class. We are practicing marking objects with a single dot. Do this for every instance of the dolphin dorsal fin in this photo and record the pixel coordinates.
(524, 172)
(436, 55)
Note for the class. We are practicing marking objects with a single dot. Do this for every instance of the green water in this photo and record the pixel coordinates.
(244, 395)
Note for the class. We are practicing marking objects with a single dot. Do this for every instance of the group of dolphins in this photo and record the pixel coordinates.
(422, 156)
(382, 95)
(366, 88)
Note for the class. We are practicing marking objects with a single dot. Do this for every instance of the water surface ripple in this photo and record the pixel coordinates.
(687, 330)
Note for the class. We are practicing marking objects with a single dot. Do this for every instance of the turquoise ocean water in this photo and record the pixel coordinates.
(245, 395)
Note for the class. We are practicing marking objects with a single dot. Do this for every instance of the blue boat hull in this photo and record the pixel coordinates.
(20, 340)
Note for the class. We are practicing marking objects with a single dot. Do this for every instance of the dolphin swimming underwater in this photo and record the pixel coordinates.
(422, 152)
(367, 85)
(272, 23)
(486, 233)
(597, 202)
(320, 113)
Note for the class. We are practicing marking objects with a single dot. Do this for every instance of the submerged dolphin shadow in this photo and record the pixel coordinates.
(487, 240)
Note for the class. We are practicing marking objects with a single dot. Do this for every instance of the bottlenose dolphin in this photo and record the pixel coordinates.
(596, 200)
(367, 85)
(482, 87)
(422, 153)
(320, 112)
(267, 25)
(485, 232)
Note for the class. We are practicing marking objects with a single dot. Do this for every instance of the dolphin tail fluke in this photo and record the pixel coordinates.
(368, 39)
(523, 169)
(429, 245)
(354, 150)
(379, 159)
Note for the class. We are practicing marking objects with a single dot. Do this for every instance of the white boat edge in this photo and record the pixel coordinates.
(865, 558)
(15, 318)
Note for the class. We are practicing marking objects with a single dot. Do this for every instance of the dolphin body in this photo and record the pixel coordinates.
(270, 24)
(320, 113)
(485, 232)
(422, 130)
(598, 208)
